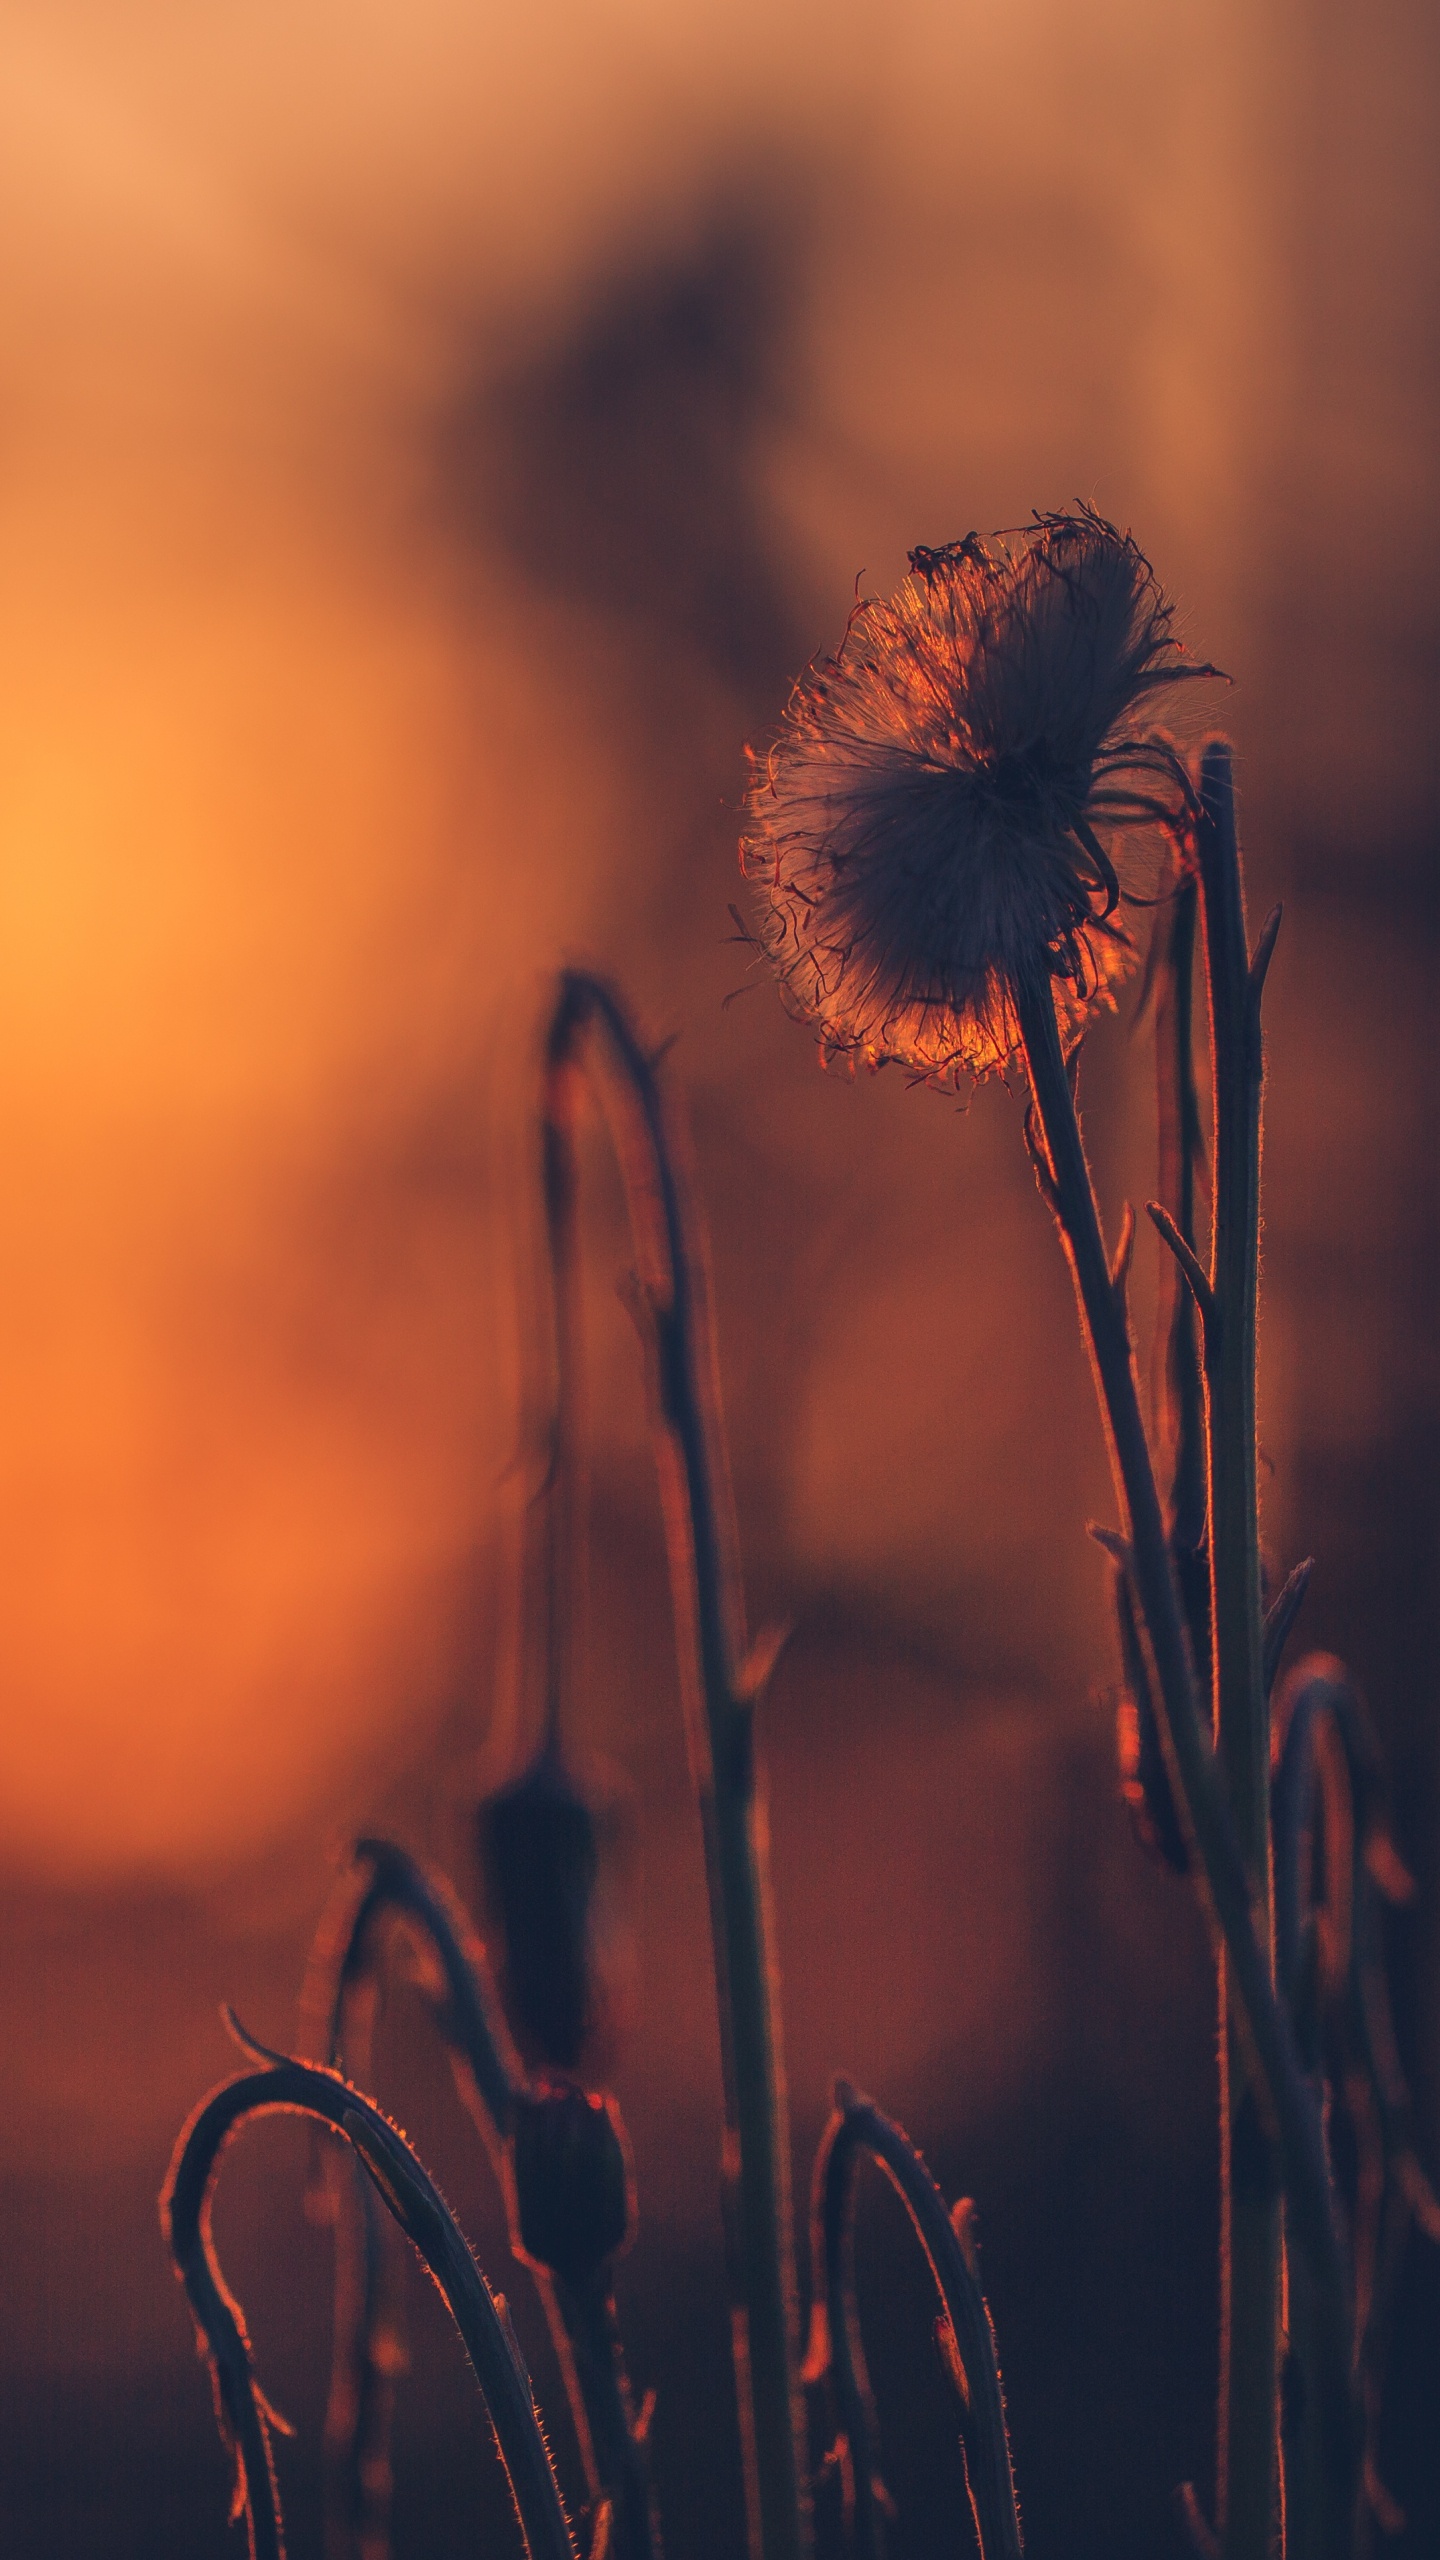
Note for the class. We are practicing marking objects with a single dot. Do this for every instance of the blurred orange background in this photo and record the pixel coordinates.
(429, 443)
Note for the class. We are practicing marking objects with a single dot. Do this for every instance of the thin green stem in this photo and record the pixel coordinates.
(1248, 2469)
(709, 1617)
(1218, 1866)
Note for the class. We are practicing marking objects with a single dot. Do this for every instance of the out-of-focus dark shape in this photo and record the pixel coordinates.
(1335, 1863)
(540, 1856)
(539, 1837)
(619, 468)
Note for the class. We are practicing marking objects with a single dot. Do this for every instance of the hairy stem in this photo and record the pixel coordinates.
(1180, 1151)
(709, 1618)
(587, 2308)
(338, 2003)
(1219, 1868)
(856, 2130)
(1248, 2474)
(480, 2316)
(1334, 1860)
(389, 1885)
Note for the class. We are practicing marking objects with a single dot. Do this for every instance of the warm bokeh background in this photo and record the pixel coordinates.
(429, 440)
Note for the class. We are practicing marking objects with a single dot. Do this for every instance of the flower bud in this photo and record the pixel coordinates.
(539, 1852)
(572, 2179)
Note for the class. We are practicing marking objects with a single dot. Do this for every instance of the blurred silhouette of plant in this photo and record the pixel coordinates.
(945, 836)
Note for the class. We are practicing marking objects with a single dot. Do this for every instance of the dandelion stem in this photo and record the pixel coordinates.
(1247, 2470)
(709, 1618)
(1220, 1873)
(1180, 1153)
(855, 2129)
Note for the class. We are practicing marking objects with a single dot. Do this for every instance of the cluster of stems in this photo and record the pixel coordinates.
(560, 2197)
(388, 1892)
(721, 1681)
(409, 2195)
(1202, 1653)
(1275, 1809)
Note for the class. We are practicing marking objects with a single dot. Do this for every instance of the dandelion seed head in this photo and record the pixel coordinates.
(970, 791)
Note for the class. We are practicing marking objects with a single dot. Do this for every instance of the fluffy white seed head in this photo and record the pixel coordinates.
(968, 793)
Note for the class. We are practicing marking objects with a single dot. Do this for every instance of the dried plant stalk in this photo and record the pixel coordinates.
(719, 1682)
(1247, 2482)
(1288, 2109)
(945, 831)
(1335, 1865)
(300, 2088)
(857, 2129)
(389, 1886)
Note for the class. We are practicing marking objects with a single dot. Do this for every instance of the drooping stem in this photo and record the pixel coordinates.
(539, 1838)
(386, 1883)
(367, 2325)
(709, 1618)
(563, 1494)
(480, 2316)
(1334, 1862)
(367, 2352)
(342, 1989)
(857, 2129)
(1218, 1866)
(389, 1885)
(1247, 2484)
